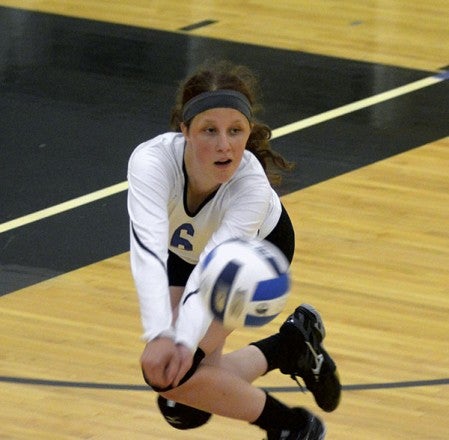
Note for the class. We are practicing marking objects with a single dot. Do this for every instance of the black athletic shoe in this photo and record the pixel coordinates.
(315, 430)
(305, 331)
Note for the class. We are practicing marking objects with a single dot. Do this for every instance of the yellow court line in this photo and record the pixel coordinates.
(278, 132)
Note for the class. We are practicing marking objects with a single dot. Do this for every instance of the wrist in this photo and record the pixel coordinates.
(186, 343)
(167, 333)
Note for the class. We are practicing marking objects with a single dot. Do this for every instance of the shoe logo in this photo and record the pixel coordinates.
(319, 359)
(174, 420)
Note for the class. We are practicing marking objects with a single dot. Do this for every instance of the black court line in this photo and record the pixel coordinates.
(129, 387)
(200, 24)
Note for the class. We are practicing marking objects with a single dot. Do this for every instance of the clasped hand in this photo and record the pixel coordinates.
(165, 363)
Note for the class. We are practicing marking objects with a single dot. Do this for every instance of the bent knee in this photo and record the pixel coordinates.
(197, 358)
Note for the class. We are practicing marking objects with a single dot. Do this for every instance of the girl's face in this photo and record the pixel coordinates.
(216, 140)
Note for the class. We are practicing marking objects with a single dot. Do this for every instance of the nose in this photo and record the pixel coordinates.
(223, 143)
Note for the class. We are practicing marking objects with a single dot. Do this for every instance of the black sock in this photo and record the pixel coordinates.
(276, 415)
(279, 352)
(273, 350)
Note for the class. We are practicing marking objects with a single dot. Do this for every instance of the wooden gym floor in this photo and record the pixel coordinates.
(357, 94)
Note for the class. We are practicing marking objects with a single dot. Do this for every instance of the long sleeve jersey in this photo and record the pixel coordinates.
(245, 206)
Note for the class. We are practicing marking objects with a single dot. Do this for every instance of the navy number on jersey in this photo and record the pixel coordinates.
(180, 237)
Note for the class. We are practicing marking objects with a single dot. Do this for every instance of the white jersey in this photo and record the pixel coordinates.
(245, 206)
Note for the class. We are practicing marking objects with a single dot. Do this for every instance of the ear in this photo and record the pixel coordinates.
(184, 129)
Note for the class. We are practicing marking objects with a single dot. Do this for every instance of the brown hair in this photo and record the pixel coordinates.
(225, 75)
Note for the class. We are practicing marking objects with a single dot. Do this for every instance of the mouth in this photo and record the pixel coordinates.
(222, 163)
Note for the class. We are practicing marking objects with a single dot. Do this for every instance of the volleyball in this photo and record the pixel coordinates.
(245, 283)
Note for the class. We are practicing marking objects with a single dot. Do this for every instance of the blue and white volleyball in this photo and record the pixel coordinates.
(245, 283)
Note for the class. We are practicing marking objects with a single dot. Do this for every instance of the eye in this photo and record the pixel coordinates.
(235, 130)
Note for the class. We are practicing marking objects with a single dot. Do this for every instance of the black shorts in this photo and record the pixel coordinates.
(283, 236)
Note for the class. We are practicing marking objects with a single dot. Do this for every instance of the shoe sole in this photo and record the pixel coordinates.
(313, 314)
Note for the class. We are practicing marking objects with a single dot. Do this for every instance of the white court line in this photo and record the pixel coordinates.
(65, 206)
(357, 105)
(278, 132)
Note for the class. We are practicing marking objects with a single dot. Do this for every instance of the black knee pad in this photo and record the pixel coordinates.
(182, 416)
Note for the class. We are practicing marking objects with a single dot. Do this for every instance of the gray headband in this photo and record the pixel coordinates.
(217, 99)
